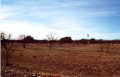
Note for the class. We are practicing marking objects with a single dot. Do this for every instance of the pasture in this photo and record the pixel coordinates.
(65, 60)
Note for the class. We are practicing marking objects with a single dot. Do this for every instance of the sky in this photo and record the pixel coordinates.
(76, 18)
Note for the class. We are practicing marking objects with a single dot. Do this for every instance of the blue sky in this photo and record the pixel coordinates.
(75, 18)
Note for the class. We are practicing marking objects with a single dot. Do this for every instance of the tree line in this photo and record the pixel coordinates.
(50, 38)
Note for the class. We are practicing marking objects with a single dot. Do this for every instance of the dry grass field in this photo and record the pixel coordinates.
(67, 60)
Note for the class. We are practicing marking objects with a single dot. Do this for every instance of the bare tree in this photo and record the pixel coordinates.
(22, 37)
(6, 47)
(51, 39)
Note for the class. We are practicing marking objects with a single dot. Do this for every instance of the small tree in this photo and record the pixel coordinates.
(51, 39)
(66, 40)
(28, 38)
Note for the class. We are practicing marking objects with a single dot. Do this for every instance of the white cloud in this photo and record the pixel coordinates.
(39, 31)
(105, 35)
(17, 28)
(73, 3)
(99, 13)
(62, 19)
(6, 13)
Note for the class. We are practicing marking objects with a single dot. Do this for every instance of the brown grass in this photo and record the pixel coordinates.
(94, 60)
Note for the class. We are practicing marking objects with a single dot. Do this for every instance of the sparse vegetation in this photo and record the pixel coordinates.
(6, 47)
(51, 40)
(96, 59)
(67, 60)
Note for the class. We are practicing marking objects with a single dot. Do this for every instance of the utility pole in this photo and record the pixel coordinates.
(88, 39)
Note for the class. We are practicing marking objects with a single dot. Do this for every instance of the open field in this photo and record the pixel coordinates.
(67, 60)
